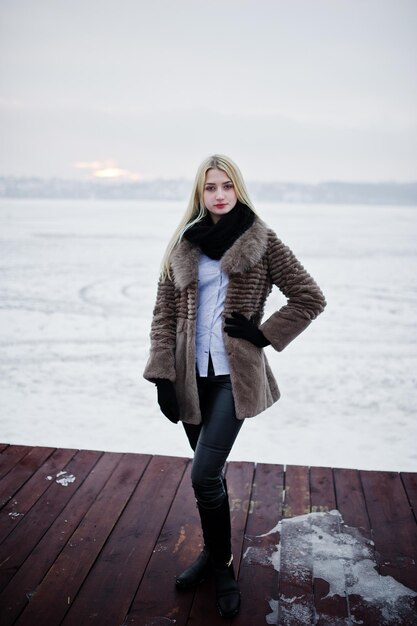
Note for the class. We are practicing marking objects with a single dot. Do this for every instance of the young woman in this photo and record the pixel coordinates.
(207, 339)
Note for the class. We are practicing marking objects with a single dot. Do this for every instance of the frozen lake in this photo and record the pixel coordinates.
(78, 283)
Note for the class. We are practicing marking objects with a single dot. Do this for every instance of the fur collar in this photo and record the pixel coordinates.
(246, 251)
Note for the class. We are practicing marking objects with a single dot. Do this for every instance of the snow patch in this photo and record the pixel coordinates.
(63, 478)
(15, 515)
(272, 618)
(321, 545)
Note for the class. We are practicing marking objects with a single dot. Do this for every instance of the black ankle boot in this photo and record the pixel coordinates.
(227, 590)
(196, 572)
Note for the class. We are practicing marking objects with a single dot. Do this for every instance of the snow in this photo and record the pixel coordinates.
(320, 545)
(77, 287)
(64, 479)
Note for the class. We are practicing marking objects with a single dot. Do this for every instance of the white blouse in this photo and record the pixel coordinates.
(212, 286)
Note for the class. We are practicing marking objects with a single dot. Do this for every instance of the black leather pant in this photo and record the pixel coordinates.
(212, 440)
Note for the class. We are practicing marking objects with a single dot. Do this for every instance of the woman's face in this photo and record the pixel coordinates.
(219, 194)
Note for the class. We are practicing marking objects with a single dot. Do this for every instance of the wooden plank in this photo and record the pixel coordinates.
(350, 500)
(297, 491)
(323, 500)
(23, 470)
(394, 526)
(240, 477)
(18, 544)
(410, 485)
(16, 594)
(58, 589)
(10, 457)
(178, 544)
(107, 593)
(239, 482)
(260, 547)
(3, 446)
(351, 504)
(15, 510)
(296, 599)
(395, 534)
(322, 491)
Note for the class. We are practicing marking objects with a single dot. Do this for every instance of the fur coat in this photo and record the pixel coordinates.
(254, 263)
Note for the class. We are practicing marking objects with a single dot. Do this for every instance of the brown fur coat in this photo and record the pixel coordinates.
(254, 263)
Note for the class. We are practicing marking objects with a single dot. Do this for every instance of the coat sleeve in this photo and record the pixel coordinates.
(305, 301)
(161, 361)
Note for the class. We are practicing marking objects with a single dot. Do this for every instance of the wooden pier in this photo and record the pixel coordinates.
(91, 537)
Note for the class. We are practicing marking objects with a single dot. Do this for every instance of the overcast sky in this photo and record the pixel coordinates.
(296, 90)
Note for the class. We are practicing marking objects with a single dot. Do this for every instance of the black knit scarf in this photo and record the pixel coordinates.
(215, 239)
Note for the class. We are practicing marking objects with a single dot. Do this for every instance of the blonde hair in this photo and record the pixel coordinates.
(196, 210)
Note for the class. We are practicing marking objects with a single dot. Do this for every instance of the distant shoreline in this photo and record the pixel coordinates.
(330, 192)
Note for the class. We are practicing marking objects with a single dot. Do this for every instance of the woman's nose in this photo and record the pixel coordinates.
(219, 194)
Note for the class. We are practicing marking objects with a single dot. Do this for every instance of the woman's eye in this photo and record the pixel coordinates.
(228, 186)
(209, 188)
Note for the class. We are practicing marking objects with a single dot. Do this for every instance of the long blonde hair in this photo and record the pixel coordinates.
(196, 210)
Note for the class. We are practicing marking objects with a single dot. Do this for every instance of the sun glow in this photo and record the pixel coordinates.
(107, 169)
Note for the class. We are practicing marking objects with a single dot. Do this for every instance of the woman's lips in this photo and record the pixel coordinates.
(220, 206)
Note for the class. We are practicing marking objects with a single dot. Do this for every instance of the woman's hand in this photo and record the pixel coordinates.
(167, 399)
(240, 326)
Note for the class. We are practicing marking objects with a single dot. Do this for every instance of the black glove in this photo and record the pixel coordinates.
(240, 326)
(167, 399)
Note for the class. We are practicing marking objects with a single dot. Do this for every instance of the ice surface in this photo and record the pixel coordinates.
(321, 545)
(77, 288)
